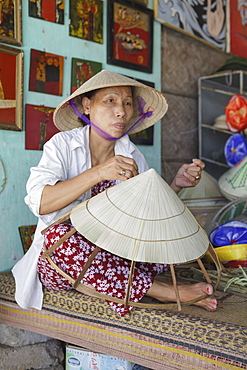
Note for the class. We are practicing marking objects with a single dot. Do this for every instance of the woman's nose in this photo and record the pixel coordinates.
(120, 111)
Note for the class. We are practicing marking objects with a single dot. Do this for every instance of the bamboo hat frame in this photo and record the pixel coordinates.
(141, 219)
(233, 183)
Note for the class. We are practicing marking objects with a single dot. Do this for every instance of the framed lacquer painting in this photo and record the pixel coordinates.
(130, 35)
(11, 88)
(10, 22)
(203, 20)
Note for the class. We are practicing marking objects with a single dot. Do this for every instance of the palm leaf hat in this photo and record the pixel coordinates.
(233, 183)
(141, 219)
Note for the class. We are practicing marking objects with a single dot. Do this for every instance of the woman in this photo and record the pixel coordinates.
(79, 163)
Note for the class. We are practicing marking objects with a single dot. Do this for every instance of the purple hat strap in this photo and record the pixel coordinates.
(142, 114)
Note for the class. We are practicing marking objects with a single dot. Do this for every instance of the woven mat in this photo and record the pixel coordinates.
(159, 339)
(231, 308)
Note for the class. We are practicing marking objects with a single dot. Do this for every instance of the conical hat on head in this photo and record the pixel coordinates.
(233, 183)
(65, 118)
(142, 219)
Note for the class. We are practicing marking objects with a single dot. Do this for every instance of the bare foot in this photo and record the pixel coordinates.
(166, 293)
(190, 292)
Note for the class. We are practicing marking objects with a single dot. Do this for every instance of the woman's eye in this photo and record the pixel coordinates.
(128, 103)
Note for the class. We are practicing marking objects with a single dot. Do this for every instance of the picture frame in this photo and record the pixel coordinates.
(10, 25)
(27, 235)
(195, 19)
(146, 136)
(141, 2)
(82, 70)
(130, 35)
(11, 88)
(237, 29)
(39, 126)
(51, 11)
(86, 20)
(46, 72)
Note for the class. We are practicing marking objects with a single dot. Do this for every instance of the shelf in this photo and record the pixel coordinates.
(217, 129)
(214, 93)
(215, 162)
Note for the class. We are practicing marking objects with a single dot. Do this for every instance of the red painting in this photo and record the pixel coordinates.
(48, 10)
(130, 35)
(7, 88)
(39, 126)
(11, 88)
(237, 41)
(46, 72)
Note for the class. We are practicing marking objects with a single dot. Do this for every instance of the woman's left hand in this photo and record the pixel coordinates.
(188, 175)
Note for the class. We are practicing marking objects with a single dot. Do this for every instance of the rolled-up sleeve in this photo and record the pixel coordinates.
(51, 169)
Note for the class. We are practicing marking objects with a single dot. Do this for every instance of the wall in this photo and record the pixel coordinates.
(53, 38)
(184, 60)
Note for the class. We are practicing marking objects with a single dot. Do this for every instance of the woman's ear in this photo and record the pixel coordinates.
(86, 105)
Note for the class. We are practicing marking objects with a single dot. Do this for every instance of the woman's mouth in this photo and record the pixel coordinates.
(119, 125)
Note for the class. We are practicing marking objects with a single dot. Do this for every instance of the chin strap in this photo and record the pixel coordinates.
(103, 134)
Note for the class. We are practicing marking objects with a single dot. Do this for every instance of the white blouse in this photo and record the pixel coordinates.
(65, 156)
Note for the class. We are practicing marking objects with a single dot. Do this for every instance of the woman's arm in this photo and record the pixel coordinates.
(58, 196)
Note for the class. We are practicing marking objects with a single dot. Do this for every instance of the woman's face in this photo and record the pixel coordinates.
(110, 109)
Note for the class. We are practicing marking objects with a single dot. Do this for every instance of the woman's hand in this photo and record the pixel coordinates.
(117, 168)
(188, 175)
(65, 192)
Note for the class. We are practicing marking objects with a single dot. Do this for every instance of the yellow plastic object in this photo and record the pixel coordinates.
(231, 252)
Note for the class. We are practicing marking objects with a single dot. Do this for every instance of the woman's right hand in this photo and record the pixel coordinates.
(118, 168)
(65, 192)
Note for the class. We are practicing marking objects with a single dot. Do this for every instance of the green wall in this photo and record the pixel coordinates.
(53, 38)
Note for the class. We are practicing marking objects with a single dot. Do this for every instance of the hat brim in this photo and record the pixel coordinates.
(65, 118)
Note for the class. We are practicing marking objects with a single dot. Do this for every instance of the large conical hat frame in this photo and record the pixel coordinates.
(141, 219)
(233, 183)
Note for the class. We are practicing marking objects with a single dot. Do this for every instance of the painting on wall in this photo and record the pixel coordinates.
(82, 70)
(237, 28)
(39, 126)
(46, 72)
(27, 235)
(52, 10)
(141, 2)
(86, 20)
(204, 20)
(10, 22)
(11, 88)
(145, 137)
(130, 35)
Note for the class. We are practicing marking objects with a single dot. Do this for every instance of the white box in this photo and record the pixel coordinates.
(78, 358)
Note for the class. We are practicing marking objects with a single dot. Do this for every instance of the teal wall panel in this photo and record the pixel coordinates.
(53, 38)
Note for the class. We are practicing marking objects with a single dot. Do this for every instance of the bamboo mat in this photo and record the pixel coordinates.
(156, 338)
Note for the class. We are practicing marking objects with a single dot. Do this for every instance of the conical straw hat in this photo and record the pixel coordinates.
(65, 118)
(142, 219)
(207, 189)
(233, 183)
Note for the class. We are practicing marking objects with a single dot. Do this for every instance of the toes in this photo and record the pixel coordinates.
(212, 304)
(209, 289)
